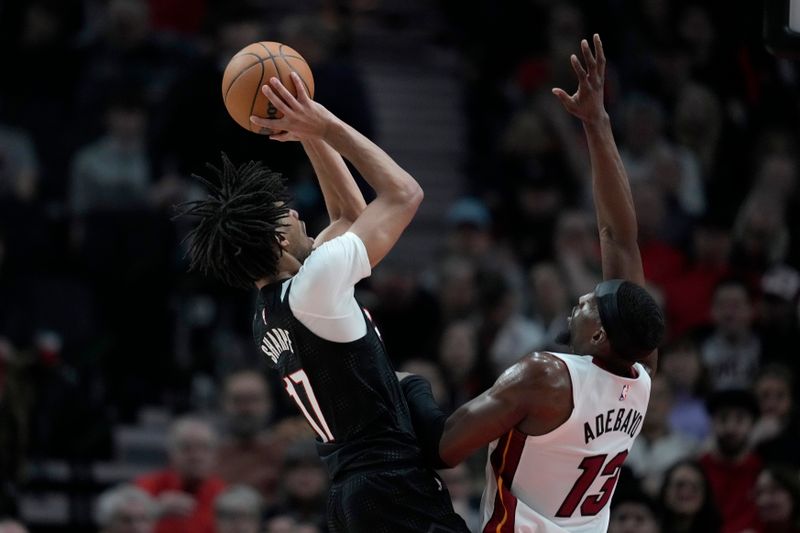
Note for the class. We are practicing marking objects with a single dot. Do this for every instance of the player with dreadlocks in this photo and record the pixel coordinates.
(308, 323)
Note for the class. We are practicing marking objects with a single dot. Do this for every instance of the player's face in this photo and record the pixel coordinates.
(584, 324)
(299, 243)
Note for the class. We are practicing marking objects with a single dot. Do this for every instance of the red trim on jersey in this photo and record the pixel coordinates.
(505, 460)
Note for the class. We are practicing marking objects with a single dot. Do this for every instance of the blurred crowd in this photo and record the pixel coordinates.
(108, 106)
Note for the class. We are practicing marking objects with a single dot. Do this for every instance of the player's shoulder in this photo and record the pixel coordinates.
(544, 370)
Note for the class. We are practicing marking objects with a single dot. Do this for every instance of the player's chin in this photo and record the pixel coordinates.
(565, 338)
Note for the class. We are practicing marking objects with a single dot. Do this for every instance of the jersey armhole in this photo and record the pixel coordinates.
(555, 432)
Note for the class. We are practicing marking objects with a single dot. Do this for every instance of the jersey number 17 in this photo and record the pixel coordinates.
(314, 414)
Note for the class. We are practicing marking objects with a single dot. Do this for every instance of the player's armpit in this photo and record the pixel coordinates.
(534, 395)
(335, 229)
(485, 418)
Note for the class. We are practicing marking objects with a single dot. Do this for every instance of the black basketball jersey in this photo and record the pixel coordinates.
(347, 392)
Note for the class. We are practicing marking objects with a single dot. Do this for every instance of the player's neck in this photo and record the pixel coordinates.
(619, 368)
(277, 278)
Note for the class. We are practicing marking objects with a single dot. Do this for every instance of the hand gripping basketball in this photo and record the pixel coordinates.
(303, 118)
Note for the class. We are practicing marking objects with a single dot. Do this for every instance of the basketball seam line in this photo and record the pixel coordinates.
(255, 96)
(248, 67)
(284, 56)
(277, 70)
(260, 61)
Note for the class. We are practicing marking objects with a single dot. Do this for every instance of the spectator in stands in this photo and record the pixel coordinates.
(8, 525)
(690, 294)
(469, 236)
(773, 390)
(687, 500)
(287, 524)
(456, 288)
(402, 305)
(732, 353)
(458, 357)
(698, 124)
(238, 509)
(550, 301)
(634, 512)
(305, 484)
(126, 509)
(113, 173)
(281, 524)
(433, 374)
(658, 447)
(577, 252)
(778, 500)
(505, 333)
(19, 166)
(761, 236)
(732, 468)
(780, 287)
(680, 363)
(776, 396)
(658, 233)
(186, 490)
(650, 157)
(249, 453)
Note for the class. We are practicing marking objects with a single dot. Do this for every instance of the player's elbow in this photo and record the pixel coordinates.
(449, 455)
(412, 195)
(451, 452)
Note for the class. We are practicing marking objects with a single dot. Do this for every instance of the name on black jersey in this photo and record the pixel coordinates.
(625, 420)
(275, 343)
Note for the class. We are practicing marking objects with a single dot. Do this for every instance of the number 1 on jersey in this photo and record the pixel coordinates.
(317, 421)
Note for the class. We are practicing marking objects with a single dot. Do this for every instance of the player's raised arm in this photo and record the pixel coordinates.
(616, 218)
(380, 225)
(343, 199)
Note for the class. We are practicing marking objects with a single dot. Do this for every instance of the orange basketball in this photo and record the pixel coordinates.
(249, 70)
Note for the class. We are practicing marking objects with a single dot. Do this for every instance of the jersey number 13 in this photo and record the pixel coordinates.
(593, 503)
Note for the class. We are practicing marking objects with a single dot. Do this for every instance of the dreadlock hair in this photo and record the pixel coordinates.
(236, 238)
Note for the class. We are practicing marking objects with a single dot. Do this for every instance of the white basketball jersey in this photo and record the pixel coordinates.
(563, 481)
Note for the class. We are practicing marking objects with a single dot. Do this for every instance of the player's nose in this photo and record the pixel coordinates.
(294, 213)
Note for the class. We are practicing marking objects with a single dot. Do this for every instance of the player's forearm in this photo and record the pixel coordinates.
(343, 199)
(386, 177)
(616, 217)
(427, 418)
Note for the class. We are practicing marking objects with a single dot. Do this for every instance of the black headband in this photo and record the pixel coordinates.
(608, 306)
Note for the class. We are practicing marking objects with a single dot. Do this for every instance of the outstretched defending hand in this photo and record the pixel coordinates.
(587, 102)
(303, 118)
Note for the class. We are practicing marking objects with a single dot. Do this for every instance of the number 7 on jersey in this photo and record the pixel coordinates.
(316, 421)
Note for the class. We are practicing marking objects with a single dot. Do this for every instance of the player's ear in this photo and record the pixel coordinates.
(599, 336)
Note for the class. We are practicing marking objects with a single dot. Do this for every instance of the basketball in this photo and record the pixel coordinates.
(249, 70)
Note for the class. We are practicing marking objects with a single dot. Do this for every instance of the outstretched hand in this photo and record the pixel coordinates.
(587, 102)
(303, 118)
